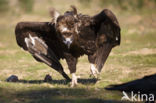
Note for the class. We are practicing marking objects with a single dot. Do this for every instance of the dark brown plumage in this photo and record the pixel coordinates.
(47, 48)
(70, 36)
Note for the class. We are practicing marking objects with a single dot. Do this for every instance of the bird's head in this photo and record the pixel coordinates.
(66, 25)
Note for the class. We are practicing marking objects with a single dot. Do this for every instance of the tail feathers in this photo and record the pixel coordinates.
(102, 55)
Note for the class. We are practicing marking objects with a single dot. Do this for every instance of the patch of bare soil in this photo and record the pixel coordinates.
(8, 52)
(149, 71)
(8, 73)
(2, 45)
(144, 51)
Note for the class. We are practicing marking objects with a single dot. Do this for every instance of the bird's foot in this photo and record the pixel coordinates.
(74, 80)
(94, 72)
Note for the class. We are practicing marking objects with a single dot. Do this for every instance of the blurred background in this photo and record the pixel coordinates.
(133, 59)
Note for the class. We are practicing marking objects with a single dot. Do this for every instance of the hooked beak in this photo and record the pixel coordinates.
(68, 42)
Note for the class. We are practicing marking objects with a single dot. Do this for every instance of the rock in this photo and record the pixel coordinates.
(12, 78)
(47, 78)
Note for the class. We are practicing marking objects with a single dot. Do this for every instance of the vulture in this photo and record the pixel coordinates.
(69, 36)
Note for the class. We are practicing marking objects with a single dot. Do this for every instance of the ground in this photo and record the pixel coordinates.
(133, 59)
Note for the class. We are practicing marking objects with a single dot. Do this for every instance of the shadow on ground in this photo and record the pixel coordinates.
(145, 85)
(60, 95)
(62, 81)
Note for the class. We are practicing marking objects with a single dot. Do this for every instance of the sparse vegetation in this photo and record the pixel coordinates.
(133, 59)
(26, 5)
(130, 4)
(3, 5)
(85, 3)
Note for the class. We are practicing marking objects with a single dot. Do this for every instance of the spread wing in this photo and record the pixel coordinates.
(39, 39)
(108, 35)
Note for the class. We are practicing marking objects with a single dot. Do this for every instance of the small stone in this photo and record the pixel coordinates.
(12, 78)
(47, 78)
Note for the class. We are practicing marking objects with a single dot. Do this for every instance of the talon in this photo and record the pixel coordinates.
(74, 80)
(94, 71)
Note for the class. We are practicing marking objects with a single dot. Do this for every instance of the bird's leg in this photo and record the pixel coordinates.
(94, 70)
(72, 61)
(74, 80)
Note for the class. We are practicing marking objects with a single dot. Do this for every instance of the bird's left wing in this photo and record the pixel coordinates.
(108, 35)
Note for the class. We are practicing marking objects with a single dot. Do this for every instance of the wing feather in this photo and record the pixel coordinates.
(38, 38)
(107, 29)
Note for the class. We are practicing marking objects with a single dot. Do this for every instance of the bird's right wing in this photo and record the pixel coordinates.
(39, 38)
(40, 50)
